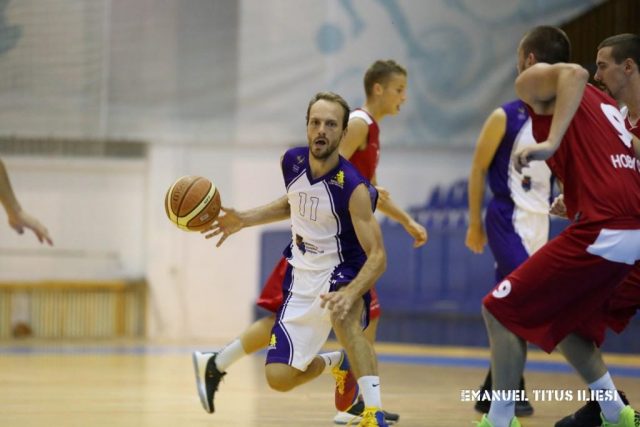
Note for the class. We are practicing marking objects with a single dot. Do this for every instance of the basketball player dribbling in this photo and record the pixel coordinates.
(335, 256)
(385, 85)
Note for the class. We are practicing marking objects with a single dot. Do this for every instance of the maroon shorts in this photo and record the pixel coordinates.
(560, 289)
(625, 301)
(271, 296)
(374, 307)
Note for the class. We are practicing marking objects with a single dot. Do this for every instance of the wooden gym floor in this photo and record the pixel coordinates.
(133, 384)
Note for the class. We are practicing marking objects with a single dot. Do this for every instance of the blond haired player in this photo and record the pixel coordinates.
(335, 255)
(385, 84)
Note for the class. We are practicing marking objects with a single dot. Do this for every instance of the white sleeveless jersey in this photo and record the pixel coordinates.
(321, 229)
(531, 189)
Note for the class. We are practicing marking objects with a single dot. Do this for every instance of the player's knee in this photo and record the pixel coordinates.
(278, 378)
(279, 384)
(345, 327)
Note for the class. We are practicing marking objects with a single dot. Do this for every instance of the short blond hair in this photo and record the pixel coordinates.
(380, 72)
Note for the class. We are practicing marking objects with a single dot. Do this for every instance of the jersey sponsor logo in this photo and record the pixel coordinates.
(273, 341)
(625, 161)
(502, 290)
(306, 247)
(338, 179)
(300, 244)
(522, 114)
(300, 160)
(526, 183)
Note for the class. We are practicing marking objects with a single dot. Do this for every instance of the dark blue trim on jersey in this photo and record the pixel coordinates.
(338, 223)
(325, 176)
(297, 177)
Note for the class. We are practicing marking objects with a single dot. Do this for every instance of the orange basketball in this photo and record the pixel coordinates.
(192, 203)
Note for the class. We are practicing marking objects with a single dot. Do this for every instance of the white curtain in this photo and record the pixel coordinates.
(226, 72)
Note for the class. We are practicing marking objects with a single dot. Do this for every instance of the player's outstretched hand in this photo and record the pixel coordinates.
(521, 158)
(558, 207)
(339, 302)
(418, 232)
(476, 238)
(540, 151)
(226, 225)
(383, 194)
(22, 220)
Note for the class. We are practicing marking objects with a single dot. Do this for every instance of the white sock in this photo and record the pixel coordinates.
(229, 355)
(331, 359)
(610, 408)
(370, 390)
(501, 412)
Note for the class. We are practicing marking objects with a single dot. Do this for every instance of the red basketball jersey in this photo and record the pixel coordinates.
(595, 161)
(366, 161)
(634, 129)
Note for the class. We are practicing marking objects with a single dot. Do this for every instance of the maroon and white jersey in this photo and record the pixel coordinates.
(634, 129)
(366, 161)
(595, 162)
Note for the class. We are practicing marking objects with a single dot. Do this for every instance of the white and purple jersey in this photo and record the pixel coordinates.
(517, 218)
(322, 233)
(323, 256)
(531, 189)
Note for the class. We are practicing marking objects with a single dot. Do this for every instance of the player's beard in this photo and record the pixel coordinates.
(327, 150)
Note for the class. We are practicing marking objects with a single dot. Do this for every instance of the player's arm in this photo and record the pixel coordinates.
(387, 206)
(233, 221)
(488, 142)
(550, 89)
(355, 138)
(370, 238)
(18, 218)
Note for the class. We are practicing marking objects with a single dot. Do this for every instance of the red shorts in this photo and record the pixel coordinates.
(271, 296)
(625, 301)
(619, 309)
(560, 289)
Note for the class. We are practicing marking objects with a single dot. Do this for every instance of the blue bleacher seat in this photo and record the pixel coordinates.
(397, 283)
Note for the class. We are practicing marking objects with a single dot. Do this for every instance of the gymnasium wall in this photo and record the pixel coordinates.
(219, 88)
(202, 291)
(216, 72)
(107, 220)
